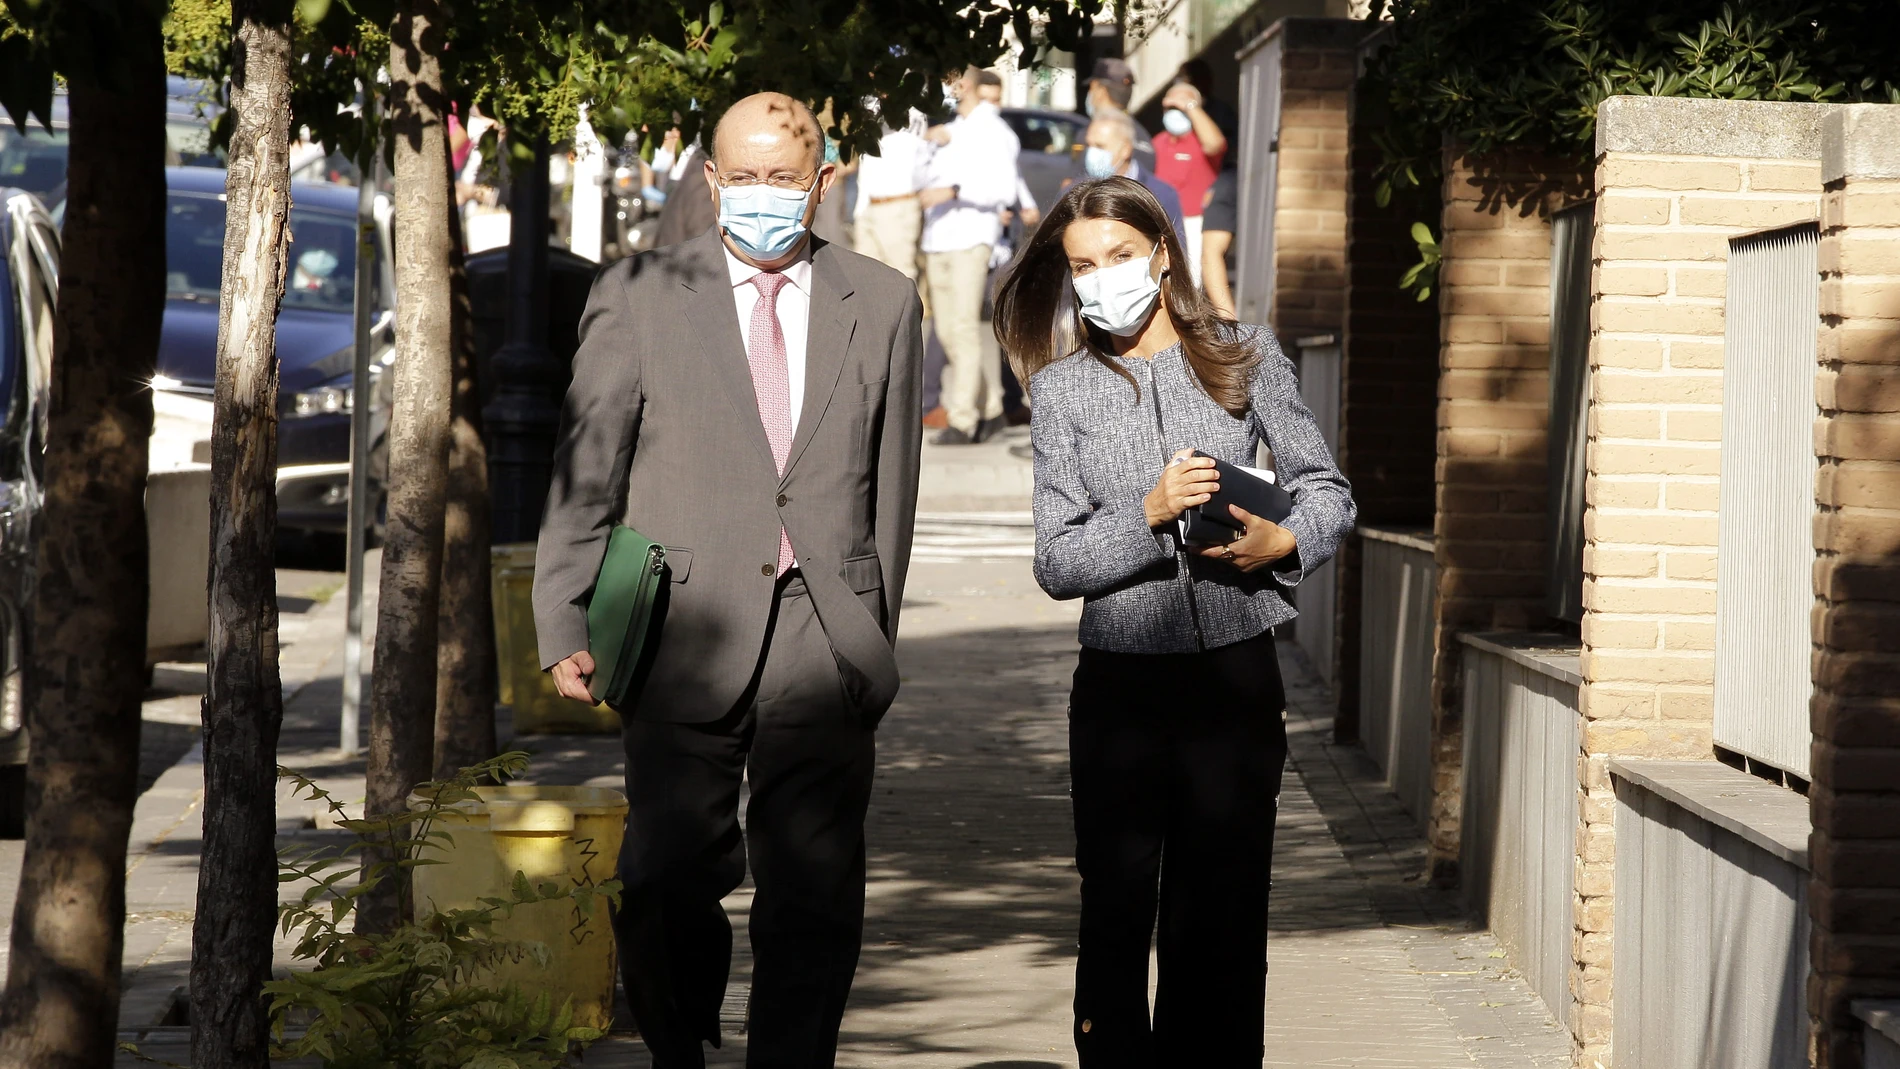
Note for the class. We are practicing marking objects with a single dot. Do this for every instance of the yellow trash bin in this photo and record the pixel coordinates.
(548, 833)
(525, 688)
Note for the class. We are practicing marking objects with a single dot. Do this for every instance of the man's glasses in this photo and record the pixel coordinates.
(785, 180)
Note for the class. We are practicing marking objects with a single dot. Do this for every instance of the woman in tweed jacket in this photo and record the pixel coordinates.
(1176, 732)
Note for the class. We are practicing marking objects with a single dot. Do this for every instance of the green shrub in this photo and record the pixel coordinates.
(422, 996)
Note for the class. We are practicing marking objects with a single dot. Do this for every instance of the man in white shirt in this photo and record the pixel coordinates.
(889, 219)
(971, 180)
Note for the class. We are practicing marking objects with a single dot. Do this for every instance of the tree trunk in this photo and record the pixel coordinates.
(87, 674)
(244, 704)
(465, 663)
(402, 686)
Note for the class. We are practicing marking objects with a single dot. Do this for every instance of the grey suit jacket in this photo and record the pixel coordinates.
(661, 432)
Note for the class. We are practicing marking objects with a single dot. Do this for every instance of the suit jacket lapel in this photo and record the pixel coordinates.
(827, 340)
(714, 317)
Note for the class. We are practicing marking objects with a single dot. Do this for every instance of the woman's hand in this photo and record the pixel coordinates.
(1264, 543)
(1187, 481)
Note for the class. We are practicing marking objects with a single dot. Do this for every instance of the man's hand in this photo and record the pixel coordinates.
(937, 195)
(1182, 98)
(571, 675)
(1031, 217)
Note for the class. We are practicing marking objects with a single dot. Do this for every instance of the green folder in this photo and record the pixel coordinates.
(620, 616)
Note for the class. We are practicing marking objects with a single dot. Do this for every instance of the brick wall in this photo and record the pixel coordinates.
(1854, 898)
(1309, 212)
(1675, 180)
(1493, 403)
(1388, 381)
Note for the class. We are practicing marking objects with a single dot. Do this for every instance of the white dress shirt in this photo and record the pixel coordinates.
(794, 317)
(980, 161)
(898, 168)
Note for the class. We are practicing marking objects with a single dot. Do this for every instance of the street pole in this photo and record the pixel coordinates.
(520, 418)
(349, 732)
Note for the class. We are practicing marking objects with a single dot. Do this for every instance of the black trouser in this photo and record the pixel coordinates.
(1175, 761)
(809, 759)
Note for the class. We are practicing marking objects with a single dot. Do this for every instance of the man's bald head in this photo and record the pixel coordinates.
(769, 124)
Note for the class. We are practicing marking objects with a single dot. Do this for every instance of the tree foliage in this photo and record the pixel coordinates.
(654, 63)
(1491, 74)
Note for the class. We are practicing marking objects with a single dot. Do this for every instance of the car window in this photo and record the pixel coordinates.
(322, 270)
(1046, 133)
(34, 160)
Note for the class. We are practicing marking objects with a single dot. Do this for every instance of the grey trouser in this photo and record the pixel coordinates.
(808, 758)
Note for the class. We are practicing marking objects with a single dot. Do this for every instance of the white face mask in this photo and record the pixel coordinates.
(1118, 299)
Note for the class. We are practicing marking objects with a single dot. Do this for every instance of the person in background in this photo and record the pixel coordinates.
(1201, 77)
(890, 220)
(688, 211)
(990, 89)
(1111, 151)
(970, 180)
(1111, 85)
(1188, 156)
(1219, 222)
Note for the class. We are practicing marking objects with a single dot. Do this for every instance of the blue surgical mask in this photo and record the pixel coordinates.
(1098, 163)
(1088, 105)
(762, 219)
(1177, 122)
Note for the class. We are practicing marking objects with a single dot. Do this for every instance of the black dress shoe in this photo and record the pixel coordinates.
(952, 436)
(990, 428)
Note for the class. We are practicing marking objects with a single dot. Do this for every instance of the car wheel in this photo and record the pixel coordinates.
(12, 801)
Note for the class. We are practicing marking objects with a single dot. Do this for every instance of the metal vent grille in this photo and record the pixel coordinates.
(1764, 586)
(1570, 236)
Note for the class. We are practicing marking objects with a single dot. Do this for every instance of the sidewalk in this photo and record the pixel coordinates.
(972, 897)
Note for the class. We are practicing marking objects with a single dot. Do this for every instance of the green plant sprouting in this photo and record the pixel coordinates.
(423, 995)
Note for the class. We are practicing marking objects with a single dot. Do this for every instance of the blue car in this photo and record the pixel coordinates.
(315, 335)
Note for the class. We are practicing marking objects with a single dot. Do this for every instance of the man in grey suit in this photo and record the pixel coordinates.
(749, 399)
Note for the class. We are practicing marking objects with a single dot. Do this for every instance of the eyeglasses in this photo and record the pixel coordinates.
(784, 180)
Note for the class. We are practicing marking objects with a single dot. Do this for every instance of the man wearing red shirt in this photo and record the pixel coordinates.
(1188, 157)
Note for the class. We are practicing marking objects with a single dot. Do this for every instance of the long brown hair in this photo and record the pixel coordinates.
(1039, 321)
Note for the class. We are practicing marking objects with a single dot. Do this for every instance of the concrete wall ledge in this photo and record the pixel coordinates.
(1882, 1018)
(1686, 126)
(1553, 655)
(1861, 141)
(1771, 817)
(1419, 538)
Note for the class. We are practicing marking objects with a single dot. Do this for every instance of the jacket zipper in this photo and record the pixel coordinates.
(1180, 551)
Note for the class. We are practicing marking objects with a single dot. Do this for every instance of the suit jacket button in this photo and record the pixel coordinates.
(766, 569)
(783, 500)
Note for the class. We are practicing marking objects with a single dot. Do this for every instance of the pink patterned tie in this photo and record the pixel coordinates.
(771, 383)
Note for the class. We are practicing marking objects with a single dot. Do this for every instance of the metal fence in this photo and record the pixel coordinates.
(1518, 843)
(1764, 586)
(1571, 231)
(1259, 175)
(1712, 932)
(1317, 594)
(1397, 609)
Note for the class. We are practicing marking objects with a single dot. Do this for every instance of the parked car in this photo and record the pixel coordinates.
(1052, 143)
(315, 334)
(34, 159)
(29, 281)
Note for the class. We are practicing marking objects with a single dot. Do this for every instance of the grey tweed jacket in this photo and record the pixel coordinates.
(1099, 451)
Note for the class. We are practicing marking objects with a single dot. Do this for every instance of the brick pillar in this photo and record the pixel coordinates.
(1493, 403)
(1309, 211)
(1388, 381)
(1854, 896)
(1678, 178)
